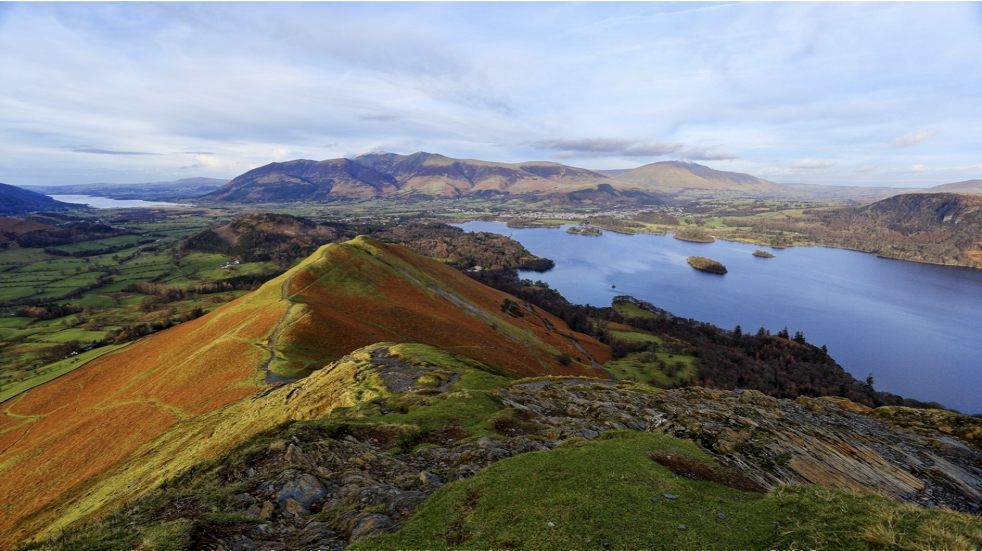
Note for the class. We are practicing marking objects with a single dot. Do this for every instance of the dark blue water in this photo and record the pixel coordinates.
(917, 328)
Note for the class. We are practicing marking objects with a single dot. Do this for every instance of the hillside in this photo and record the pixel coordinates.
(427, 391)
(417, 176)
(676, 176)
(125, 421)
(968, 186)
(258, 237)
(11, 228)
(407, 447)
(15, 200)
(940, 228)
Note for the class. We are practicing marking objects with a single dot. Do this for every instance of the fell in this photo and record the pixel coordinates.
(72, 446)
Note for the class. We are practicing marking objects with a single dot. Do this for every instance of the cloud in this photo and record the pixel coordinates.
(913, 139)
(605, 147)
(812, 164)
(920, 168)
(97, 151)
(706, 154)
(867, 168)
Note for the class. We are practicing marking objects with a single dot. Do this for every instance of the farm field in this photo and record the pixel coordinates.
(63, 305)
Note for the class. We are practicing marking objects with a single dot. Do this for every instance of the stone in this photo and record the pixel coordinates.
(315, 531)
(670, 496)
(427, 477)
(266, 510)
(371, 524)
(721, 516)
(304, 489)
(293, 508)
(245, 545)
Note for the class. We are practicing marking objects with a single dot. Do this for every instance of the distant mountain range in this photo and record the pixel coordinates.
(427, 175)
(423, 176)
(16, 200)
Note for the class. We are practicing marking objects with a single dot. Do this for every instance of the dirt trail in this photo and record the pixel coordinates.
(273, 378)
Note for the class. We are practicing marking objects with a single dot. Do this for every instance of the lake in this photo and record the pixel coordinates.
(107, 203)
(917, 328)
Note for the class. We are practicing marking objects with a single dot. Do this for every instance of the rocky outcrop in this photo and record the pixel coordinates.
(324, 493)
(825, 441)
(314, 491)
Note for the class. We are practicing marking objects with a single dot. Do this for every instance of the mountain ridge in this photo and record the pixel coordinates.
(421, 175)
(17, 200)
(341, 298)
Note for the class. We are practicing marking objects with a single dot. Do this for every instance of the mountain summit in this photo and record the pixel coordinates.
(679, 175)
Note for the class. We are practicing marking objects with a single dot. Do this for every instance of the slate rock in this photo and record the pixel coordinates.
(371, 524)
(305, 489)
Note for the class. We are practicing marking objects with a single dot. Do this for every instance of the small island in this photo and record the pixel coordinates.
(694, 235)
(584, 230)
(706, 264)
(762, 254)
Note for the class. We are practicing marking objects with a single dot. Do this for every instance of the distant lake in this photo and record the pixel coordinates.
(107, 203)
(916, 327)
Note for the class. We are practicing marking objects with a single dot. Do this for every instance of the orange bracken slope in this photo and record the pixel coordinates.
(57, 438)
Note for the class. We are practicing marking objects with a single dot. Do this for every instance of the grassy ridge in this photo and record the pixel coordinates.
(637, 501)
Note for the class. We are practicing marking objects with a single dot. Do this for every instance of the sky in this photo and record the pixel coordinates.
(836, 93)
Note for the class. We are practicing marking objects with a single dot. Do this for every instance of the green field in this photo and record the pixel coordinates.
(658, 368)
(101, 287)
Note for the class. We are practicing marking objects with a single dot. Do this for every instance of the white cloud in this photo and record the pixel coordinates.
(919, 168)
(812, 164)
(604, 147)
(920, 136)
(706, 154)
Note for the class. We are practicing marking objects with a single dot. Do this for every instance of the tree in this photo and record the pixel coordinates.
(738, 331)
(869, 381)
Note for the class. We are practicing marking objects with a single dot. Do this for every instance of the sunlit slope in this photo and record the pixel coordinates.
(183, 395)
(59, 434)
(360, 292)
(676, 175)
(194, 439)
